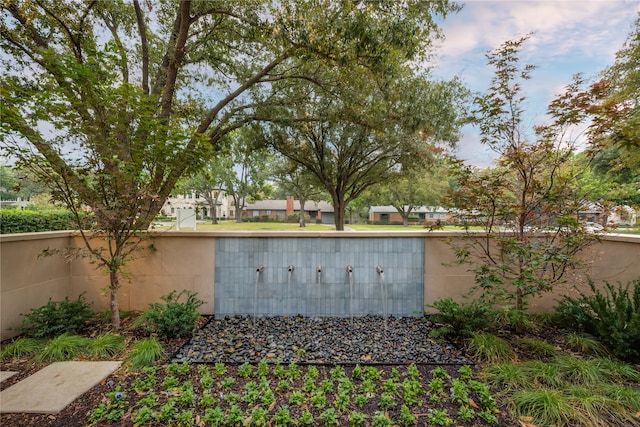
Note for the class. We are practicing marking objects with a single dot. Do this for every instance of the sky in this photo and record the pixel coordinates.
(569, 37)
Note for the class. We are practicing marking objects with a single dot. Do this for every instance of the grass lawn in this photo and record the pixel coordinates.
(281, 226)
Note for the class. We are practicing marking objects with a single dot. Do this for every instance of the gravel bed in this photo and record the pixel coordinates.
(318, 340)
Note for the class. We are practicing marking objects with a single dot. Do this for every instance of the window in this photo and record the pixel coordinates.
(384, 217)
(268, 213)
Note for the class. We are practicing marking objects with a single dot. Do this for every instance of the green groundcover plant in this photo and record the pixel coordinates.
(180, 394)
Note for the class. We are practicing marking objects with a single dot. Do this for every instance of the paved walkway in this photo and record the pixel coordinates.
(52, 388)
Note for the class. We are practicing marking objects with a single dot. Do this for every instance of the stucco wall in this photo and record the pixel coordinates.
(187, 260)
(28, 278)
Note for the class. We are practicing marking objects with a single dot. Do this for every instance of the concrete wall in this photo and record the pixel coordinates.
(28, 278)
(190, 260)
(240, 289)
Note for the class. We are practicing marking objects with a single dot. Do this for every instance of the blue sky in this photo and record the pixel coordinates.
(569, 37)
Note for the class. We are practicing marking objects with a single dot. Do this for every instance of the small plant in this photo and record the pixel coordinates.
(282, 417)
(259, 417)
(585, 343)
(380, 419)
(406, 417)
(486, 347)
(439, 418)
(465, 372)
(235, 416)
(613, 315)
(144, 415)
(484, 394)
(329, 417)
(460, 320)
(63, 347)
(360, 399)
(170, 382)
(56, 318)
(293, 373)
(245, 370)
(342, 401)
(173, 318)
(459, 392)
(386, 401)
(220, 369)
(357, 373)
(214, 416)
(306, 419)
(537, 347)
(145, 352)
(22, 347)
(206, 400)
(263, 368)
(357, 419)
(283, 385)
(373, 373)
(296, 398)
(440, 373)
(227, 383)
(465, 413)
(111, 409)
(319, 399)
(106, 345)
(488, 417)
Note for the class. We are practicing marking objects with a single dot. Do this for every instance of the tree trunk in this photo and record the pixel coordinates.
(338, 213)
(302, 201)
(113, 288)
(214, 214)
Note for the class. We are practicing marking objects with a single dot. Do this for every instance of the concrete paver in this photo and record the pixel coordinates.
(6, 375)
(52, 388)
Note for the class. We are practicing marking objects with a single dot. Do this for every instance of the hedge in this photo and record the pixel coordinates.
(26, 221)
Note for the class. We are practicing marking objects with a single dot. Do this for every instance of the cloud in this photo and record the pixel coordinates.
(569, 37)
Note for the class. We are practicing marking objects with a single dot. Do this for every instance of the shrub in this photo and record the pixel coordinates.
(460, 320)
(145, 352)
(613, 316)
(56, 318)
(29, 221)
(174, 318)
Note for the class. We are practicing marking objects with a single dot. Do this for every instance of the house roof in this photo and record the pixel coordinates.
(419, 209)
(281, 205)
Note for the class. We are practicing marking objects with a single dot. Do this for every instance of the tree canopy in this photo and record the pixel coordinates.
(113, 101)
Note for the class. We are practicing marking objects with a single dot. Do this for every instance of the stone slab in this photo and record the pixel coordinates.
(52, 388)
(6, 374)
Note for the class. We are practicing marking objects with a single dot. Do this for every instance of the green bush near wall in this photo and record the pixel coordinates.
(27, 221)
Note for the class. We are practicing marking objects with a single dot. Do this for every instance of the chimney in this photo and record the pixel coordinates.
(289, 205)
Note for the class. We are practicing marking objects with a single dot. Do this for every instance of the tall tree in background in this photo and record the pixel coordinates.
(112, 102)
(531, 189)
(209, 182)
(413, 187)
(251, 167)
(359, 144)
(295, 180)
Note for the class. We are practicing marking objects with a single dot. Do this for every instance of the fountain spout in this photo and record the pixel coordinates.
(291, 268)
(349, 269)
(260, 268)
(379, 269)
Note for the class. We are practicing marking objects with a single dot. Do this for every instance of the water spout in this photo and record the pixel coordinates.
(379, 270)
(349, 269)
(260, 268)
(318, 273)
(289, 309)
(291, 268)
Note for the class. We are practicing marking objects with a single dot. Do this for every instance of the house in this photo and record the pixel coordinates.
(418, 215)
(193, 200)
(279, 210)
